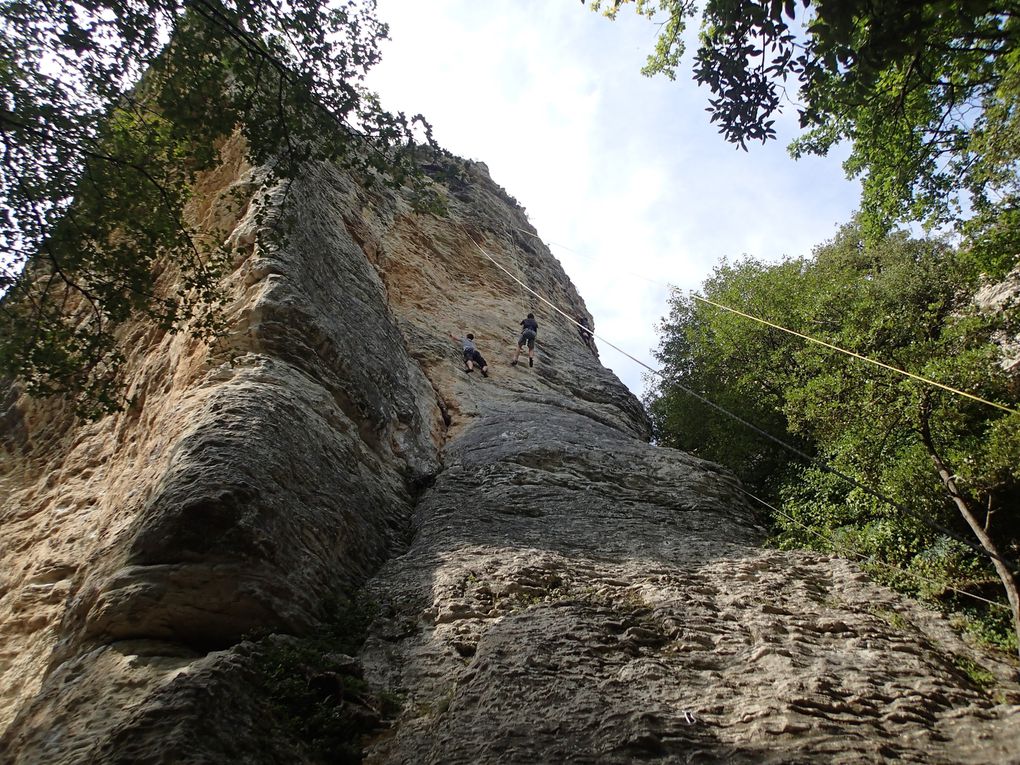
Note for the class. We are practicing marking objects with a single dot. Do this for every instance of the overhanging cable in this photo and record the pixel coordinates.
(854, 354)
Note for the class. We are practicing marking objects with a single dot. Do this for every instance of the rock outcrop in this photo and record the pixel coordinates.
(546, 585)
(999, 297)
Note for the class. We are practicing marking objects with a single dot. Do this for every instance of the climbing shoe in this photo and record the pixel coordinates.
(484, 373)
(531, 362)
(513, 363)
(468, 371)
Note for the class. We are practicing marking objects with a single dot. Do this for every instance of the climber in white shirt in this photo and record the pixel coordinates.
(471, 354)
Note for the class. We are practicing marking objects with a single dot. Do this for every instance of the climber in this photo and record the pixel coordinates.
(471, 354)
(584, 330)
(527, 338)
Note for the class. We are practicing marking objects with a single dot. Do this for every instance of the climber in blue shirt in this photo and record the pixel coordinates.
(530, 327)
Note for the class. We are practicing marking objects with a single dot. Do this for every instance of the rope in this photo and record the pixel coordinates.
(616, 270)
(823, 343)
(556, 308)
(855, 355)
(520, 270)
(868, 559)
(924, 520)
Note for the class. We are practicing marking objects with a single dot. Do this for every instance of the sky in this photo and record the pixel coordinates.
(622, 175)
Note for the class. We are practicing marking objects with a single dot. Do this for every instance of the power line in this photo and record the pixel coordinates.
(924, 520)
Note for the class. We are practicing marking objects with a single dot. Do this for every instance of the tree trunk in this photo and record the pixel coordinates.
(1009, 581)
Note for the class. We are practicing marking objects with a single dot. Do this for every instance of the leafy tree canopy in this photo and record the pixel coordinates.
(926, 93)
(950, 461)
(108, 109)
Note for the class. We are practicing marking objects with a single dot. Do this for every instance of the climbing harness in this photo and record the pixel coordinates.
(524, 300)
(556, 308)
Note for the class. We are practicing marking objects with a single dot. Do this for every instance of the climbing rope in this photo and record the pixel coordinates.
(616, 269)
(520, 269)
(855, 355)
(552, 305)
(923, 519)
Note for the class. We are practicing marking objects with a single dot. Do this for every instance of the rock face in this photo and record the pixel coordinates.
(1000, 296)
(548, 586)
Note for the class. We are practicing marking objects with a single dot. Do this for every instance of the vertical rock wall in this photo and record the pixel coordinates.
(247, 487)
(551, 588)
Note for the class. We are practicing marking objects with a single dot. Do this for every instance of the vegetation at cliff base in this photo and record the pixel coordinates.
(903, 301)
(109, 110)
(315, 688)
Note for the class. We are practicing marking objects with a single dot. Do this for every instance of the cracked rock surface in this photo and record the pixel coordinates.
(558, 605)
(550, 586)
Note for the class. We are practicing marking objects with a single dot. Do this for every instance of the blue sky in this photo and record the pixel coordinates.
(624, 170)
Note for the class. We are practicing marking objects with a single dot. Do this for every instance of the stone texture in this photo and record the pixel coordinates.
(558, 605)
(1002, 297)
(553, 587)
(249, 484)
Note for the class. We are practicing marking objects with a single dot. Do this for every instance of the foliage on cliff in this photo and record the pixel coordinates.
(108, 111)
(905, 302)
(315, 688)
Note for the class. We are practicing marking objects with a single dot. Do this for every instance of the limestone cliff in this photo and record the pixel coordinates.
(547, 586)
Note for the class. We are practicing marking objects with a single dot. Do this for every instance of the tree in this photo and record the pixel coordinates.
(947, 463)
(927, 94)
(109, 109)
(723, 358)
